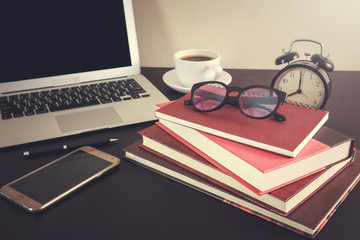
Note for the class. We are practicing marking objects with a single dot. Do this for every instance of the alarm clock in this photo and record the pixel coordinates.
(306, 82)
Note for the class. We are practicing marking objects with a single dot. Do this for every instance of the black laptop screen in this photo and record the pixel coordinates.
(43, 38)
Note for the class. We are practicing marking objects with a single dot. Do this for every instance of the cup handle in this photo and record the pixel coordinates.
(213, 72)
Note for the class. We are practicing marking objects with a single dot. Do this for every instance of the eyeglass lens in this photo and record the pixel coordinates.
(209, 96)
(258, 102)
(254, 102)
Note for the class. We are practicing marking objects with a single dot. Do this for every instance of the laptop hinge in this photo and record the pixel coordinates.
(66, 81)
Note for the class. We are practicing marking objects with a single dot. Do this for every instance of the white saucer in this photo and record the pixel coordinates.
(170, 78)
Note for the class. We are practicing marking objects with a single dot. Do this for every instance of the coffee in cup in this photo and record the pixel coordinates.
(197, 58)
(197, 65)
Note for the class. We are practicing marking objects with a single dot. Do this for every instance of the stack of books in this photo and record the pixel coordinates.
(293, 173)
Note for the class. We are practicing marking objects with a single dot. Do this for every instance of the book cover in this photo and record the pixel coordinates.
(287, 138)
(263, 170)
(308, 219)
(282, 201)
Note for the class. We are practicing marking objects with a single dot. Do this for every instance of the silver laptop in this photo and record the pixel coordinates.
(68, 67)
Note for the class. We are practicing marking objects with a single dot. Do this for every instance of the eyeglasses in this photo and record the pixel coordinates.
(256, 102)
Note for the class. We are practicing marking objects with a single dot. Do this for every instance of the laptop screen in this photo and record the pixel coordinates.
(43, 38)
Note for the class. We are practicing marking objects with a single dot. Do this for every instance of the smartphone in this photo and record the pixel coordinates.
(43, 187)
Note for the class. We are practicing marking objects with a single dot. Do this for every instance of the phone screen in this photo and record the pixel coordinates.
(57, 178)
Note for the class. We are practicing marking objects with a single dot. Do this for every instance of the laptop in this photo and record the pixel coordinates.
(69, 67)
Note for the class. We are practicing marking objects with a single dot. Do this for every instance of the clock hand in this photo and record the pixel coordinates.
(297, 92)
(304, 95)
(300, 81)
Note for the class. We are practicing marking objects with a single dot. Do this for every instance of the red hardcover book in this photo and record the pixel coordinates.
(287, 138)
(308, 219)
(264, 171)
(282, 201)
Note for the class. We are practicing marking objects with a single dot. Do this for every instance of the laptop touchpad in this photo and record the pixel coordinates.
(87, 119)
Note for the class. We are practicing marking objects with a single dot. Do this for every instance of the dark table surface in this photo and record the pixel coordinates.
(134, 203)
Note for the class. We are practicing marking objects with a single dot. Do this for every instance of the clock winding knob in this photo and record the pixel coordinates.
(322, 62)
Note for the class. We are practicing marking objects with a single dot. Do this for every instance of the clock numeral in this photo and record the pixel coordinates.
(285, 80)
(310, 76)
(292, 74)
(317, 84)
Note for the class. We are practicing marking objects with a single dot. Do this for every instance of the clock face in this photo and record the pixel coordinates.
(302, 85)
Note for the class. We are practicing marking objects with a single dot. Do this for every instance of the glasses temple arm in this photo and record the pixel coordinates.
(279, 117)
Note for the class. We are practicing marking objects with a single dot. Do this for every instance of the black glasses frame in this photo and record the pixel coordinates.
(235, 100)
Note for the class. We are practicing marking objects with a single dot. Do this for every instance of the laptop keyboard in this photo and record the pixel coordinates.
(45, 101)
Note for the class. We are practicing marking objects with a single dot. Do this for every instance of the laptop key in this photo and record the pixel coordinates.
(8, 108)
(29, 112)
(135, 96)
(18, 114)
(41, 110)
(6, 116)
(105, 100)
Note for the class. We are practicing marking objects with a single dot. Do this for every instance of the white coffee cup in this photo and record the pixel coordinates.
(197, 65)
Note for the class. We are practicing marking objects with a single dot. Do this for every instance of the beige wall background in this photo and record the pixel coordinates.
(249, 34)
